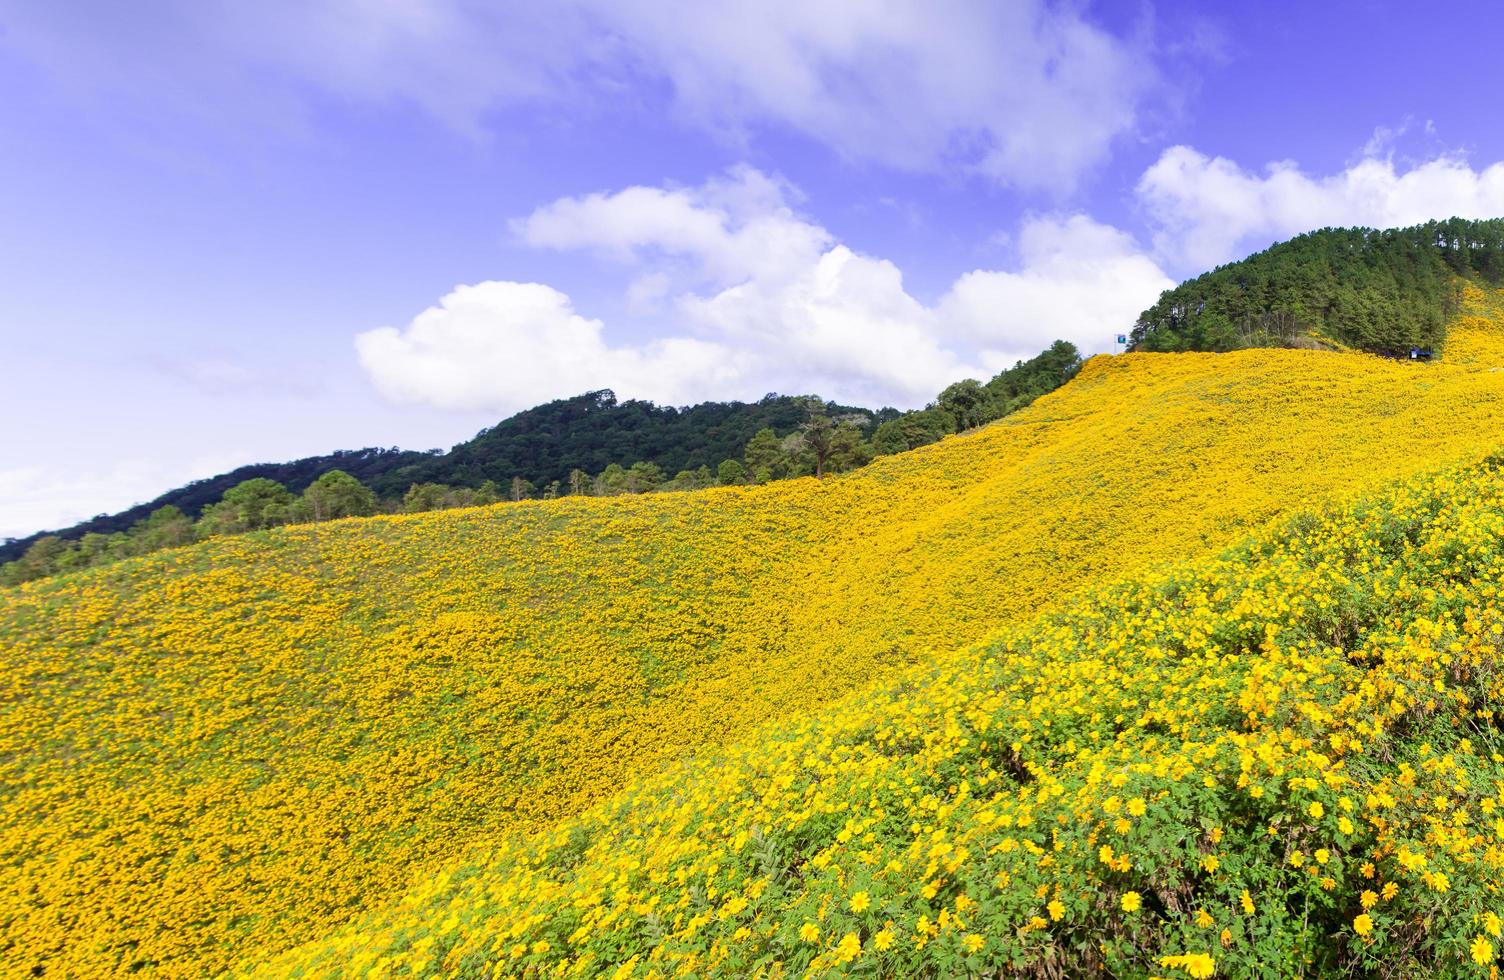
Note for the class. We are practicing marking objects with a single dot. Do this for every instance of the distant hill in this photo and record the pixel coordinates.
(542, 444)
(591, 431)
(363, 464)
(1385, 292)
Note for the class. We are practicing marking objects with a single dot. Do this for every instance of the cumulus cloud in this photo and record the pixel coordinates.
(957, 84)
(757, 298)
(1079, 280)
(731, 228)
(1209, 210)
(508, 345)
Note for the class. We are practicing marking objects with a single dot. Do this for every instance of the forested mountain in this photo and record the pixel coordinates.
(587, 432)
(591, 431)
(1381, 291)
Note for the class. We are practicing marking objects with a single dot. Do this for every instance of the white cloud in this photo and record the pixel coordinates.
(757, 298)
(1080, 281)
(509, 345)
(844, 325)
(914, 85)
(729, 229)
(1026, 92)
(1209, 210)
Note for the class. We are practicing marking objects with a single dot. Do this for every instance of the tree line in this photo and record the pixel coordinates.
(1387, 292)
(541, 444)
(826, 439)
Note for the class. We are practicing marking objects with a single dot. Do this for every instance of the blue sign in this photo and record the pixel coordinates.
(1122, 338)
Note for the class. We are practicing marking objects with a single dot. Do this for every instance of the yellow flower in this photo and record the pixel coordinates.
(1390, 890)
(884, 939)
(809, 932)
(1363, 925)
(1491, 923)
(1130, 902)
(1210, 862)
(1204, 919)
(849, 948)
(1056, 909)
(1345, 825)
(1197, 965)
(1368, 899)
(1483, 951)
(860, 902)
(1136, 806)
(1323, 855)
(974, 943)
(1316, 810)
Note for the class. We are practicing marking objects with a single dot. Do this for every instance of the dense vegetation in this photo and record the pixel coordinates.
(589, 432)
(1382, 291)
(820, 438)
(217, 755)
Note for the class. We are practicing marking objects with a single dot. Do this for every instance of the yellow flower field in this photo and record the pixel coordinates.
(214, 755)
(1286, 760)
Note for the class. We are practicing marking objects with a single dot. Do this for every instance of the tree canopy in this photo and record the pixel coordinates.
(1380, 291)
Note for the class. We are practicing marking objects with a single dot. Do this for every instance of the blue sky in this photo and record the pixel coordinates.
(235, 232)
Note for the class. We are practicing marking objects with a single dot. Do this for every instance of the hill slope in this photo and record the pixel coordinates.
(1282, 762)
(1386, 291)
(213, 754)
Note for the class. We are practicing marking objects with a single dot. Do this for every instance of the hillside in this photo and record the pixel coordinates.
(214, 754)
(1384, 291)
(541, 445)
(1280, 762)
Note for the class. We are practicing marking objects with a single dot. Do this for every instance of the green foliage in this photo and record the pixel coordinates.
(969, 403)
(644, 477)
(765, 457)
(1380, 291)
(436, 496)
(591, 431)
(337, 494)
(252, 505)
(966, 403)
(612, 481)
(730, 473)
(912, 430)
(1025, 381)
(824, 443)
(424, 496)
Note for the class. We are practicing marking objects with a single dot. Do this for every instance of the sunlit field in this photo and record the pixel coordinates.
(1005, 699)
